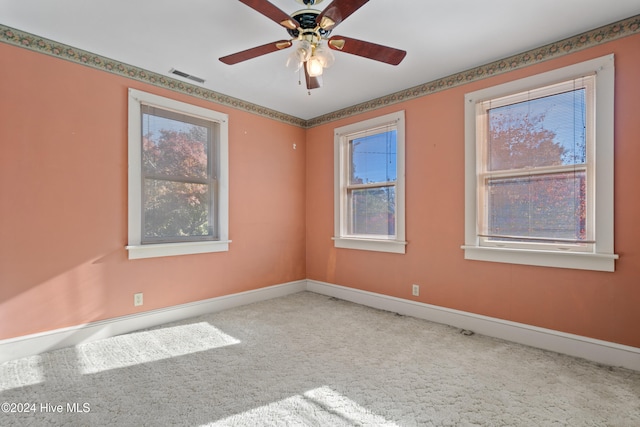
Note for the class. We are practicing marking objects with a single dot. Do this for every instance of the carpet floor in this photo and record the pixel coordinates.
(311, 360)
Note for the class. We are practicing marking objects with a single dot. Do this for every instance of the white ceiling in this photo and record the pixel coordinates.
(441, 37)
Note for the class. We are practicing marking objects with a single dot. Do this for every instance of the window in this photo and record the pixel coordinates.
(539, 169)
(369, 185)
(178, 197)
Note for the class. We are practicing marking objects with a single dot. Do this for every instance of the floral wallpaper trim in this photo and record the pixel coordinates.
(607, 33)
(39, 44)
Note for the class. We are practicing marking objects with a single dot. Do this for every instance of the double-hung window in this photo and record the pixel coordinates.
(177, 178)
(540, 169)
(369, 185)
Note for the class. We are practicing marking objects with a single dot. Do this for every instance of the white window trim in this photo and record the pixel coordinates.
(602, 258)
(135, 248)
(341, 238)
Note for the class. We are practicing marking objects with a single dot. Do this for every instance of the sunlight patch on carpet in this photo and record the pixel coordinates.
(21, 372)
(320, 406)
(150, 346)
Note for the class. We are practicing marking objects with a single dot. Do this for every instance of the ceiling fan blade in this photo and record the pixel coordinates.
(312, 82)
(254, 52)
(367, 49)
(338, 11)
(272, 12)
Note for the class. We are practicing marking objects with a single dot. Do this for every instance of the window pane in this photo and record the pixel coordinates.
(539, 206)
(174, 148)
(546, 131)
(373, 158)
(176, 210)
(373, 211)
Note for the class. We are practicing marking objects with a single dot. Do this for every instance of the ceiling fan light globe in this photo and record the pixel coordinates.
(325, 56)
(314, 67)
(303, 51)
(293, 62)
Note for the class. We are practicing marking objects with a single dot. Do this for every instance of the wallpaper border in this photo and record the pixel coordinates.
(33, 42)
(607, 33)
(604, 34)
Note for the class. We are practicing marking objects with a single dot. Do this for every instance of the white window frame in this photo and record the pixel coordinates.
(135, 248)
(598, 256)
(342, 238)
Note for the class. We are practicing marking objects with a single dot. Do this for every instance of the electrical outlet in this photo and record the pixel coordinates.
(137, 299)
(415, 290)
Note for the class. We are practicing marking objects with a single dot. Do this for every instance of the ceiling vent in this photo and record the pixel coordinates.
(186, 76)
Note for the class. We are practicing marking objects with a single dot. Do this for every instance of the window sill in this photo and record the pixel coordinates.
(173, 249)
(575, 260)
(392, 246)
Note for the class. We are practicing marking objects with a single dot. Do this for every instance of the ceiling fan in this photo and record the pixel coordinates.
(309, 29)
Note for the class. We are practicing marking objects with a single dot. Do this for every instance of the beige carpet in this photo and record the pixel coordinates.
(307, 359)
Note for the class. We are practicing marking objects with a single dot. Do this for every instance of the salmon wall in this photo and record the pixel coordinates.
(63, 210)
(594, 304)
(63, 202)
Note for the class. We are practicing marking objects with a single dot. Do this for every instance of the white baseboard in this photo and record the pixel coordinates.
(599, 351)
(28, 345)
(604, 352)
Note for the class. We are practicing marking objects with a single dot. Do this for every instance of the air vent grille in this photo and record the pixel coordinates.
(186, 75)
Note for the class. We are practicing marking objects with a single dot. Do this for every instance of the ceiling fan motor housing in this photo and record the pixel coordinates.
(309, 2)
(307, 20)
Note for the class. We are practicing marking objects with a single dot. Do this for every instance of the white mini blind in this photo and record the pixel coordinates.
(535, 181)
